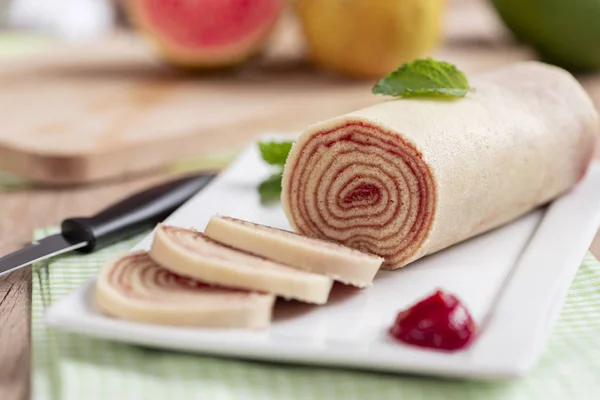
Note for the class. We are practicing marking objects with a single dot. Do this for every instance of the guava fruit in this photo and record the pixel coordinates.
(564, 32)
(369, 38)
(206, 33)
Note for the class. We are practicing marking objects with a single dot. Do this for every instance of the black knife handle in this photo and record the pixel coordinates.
(141, 209)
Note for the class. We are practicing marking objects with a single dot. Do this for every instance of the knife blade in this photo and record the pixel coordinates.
(129, 216)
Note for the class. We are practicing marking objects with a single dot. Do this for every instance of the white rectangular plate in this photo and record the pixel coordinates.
(513, 279)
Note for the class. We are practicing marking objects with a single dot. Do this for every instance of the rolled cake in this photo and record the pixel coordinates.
(135, 288)
(408, 177)
(192, 254)
(338, 262)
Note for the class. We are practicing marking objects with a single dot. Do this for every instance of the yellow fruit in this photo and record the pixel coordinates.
(369, 38)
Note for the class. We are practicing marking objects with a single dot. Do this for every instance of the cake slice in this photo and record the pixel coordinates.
(192, 254)
(333, 260)
(135, 288)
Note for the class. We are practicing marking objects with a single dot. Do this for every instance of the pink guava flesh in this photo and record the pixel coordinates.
(209, 23)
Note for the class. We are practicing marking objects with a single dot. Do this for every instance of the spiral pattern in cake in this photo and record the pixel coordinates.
(135, 288)
(362, 186)
(139, 277)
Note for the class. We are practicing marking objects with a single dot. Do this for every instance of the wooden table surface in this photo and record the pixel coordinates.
(21, 211)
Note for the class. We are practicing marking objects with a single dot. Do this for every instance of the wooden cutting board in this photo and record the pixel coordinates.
(85, 113)
(110, 108)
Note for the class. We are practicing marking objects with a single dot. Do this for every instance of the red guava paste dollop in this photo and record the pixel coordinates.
(438, 322)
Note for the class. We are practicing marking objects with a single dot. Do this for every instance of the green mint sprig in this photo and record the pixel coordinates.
(273, 153)
(424, 78)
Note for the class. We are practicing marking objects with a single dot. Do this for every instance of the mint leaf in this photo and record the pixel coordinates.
(275, 153)
(270, 188)
(424, 78)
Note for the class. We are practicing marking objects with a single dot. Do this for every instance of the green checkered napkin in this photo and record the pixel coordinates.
(68, 366)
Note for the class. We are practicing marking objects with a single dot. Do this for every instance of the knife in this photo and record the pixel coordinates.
(88, 234)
